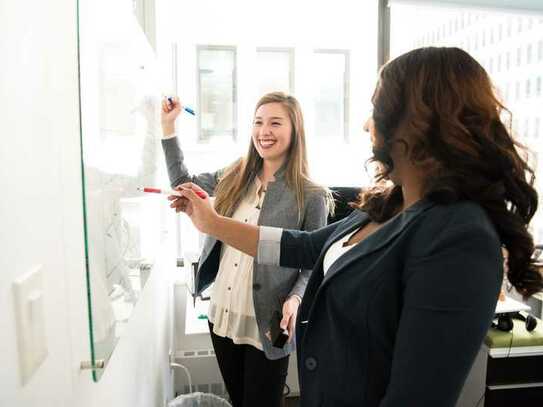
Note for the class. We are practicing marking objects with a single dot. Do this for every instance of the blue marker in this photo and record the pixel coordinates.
(185, 108)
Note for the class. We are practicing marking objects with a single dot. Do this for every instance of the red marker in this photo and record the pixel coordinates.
(201, 194)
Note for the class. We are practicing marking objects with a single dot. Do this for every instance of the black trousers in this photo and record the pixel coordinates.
(251, 379)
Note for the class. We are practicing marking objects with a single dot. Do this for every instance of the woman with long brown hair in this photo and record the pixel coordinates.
(269, 186)
(404, 290)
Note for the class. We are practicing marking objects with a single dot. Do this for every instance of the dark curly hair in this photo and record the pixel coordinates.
(444, 100)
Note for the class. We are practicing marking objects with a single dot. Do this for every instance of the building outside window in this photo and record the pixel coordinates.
(525, 98)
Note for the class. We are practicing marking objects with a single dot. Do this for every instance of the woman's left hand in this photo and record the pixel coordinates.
(290, 310)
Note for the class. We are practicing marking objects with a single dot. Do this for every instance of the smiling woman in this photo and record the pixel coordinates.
(269, 186)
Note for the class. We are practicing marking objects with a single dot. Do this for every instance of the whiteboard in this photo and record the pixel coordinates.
(120, 151)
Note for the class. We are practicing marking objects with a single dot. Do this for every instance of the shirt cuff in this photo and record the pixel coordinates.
(269, 246)
(169, 136)
(297, 297)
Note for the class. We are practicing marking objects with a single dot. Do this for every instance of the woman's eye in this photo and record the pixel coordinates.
(276, 124)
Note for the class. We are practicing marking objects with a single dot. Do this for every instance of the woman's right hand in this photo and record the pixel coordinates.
(169, 112)
(199, 208)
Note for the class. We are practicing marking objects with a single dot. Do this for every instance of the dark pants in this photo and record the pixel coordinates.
(251, 379)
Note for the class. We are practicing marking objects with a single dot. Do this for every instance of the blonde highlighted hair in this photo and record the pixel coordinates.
(236, 180)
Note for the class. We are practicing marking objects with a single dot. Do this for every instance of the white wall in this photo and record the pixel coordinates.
(41, 223)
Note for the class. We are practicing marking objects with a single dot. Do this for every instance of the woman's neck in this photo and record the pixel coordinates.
(269, 168)
(412, 192)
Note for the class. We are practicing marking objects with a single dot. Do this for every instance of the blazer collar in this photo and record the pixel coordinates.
(392, 228)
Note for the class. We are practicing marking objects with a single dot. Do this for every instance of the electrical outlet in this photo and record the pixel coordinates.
(29, 314)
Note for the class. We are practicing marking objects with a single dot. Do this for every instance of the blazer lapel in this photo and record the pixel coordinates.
(355, 220)
(378, 239)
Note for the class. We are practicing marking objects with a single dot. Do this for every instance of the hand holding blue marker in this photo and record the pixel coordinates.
(185, 108)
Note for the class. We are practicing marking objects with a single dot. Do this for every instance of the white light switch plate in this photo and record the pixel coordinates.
(29, 314)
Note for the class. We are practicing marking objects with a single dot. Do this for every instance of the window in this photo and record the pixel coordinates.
(217, 92)
(223, 72)
(275, 70)
(331, 70)
(511, 64)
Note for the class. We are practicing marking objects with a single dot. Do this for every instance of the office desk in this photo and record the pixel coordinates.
(509, 367)
(514, 370)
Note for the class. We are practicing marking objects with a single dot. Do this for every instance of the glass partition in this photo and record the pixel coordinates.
(119, 153)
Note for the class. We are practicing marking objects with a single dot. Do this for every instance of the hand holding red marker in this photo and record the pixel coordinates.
(171, 192)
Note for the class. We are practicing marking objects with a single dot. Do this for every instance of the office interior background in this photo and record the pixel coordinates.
(68, 93)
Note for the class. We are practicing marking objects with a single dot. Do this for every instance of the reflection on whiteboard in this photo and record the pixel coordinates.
(120, 102)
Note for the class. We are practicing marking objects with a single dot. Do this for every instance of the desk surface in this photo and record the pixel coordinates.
(511, 305)
(518, 342)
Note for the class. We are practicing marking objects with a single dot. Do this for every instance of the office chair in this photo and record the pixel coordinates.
(342, 197)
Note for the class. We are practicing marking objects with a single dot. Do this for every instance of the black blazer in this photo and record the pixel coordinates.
(398, 319)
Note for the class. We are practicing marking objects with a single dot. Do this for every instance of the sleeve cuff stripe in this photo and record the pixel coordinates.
(269, 246)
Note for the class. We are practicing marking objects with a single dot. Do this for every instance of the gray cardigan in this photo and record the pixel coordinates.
(271, 284)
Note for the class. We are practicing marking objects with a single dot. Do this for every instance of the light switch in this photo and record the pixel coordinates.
(29, 314)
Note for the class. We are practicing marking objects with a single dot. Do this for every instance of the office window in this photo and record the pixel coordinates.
(217, 92)
(511, 66)
(275, 70)
(331, 70)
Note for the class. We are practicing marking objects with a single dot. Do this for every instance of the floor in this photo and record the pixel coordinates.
(292, 402)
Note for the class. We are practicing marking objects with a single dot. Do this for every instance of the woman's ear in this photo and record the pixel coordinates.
(400, 149)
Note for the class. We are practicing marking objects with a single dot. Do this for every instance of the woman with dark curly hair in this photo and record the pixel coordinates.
(403, 291)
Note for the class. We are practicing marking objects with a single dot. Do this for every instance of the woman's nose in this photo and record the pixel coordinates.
(366, 125)
(265, 129)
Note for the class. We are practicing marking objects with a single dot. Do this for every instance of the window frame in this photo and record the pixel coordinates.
(346, 81)
(291, 63)
(208, 47)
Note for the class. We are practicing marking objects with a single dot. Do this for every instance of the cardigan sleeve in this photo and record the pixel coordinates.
(450, 293)
(178, 172)
(316, 213)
